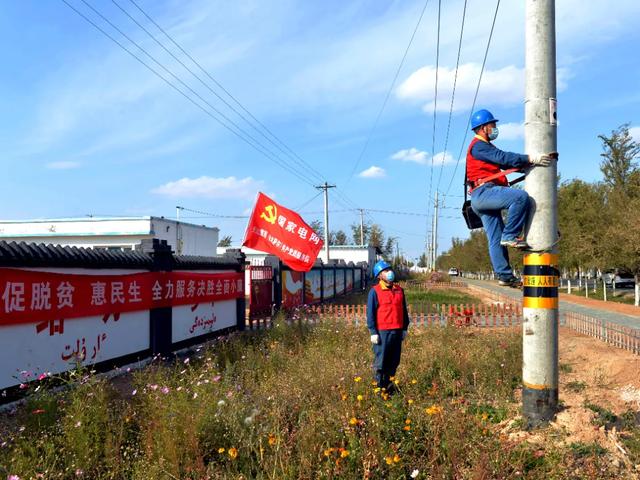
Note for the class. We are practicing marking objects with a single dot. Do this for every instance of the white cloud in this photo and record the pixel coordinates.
(411, 155)
(63, 165)
(635, 133)
(423, 158)
(373, 172)
(210, 187)
(511, 131)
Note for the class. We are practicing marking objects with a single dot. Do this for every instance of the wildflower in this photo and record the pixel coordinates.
(79, 472)
(407, 421)
(357, 379)
(328, 451)
(376, 390)
(388, 460)
(414, 381)
(221, 450)
(221, 403)
(78, 424)
(353, 421)
(406, 428)
(344, 453)
(153, 387)
(195, 395)
(23, 386)
(360, 398)
(186, 360)
(374, 383)
(13, 477)
(343, 396)
(410, 401)
(415, 473)
(272, 439)
(38, 411)
(42, 376)
(248, 420)
(485, 416)
(165, 390)
(396, 458)
(433, 409)
(233, 453)
(217, 378)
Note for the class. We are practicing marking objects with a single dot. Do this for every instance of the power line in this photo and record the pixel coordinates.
(386, 98)
(343, 198)
(475, 97)
(453, 93)
(279, 145)
(308, 201)
(240, 133)
(435, 110)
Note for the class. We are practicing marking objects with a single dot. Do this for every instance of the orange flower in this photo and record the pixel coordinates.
(406, 428)
(353, 421)
(344, 453)
(221, 450)
(389, 460)
(344, 396)
(233, 453)
(414, 381)
(272, 439)
(433, 409)
(396, 458)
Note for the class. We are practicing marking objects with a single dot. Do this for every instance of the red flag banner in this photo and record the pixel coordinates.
(282, 232)
(28, 296)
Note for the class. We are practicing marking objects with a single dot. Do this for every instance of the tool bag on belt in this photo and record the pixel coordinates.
(470, 216)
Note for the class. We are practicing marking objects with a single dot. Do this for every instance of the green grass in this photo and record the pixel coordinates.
(414, 296)
(627, 298)
(295, 402)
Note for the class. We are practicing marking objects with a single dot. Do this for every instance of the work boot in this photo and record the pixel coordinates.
(518, 243)
(512, 281)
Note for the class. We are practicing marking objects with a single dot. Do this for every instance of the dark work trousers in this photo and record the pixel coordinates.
(387, 356)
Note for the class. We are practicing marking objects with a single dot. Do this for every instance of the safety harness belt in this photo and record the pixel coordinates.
(503, 173)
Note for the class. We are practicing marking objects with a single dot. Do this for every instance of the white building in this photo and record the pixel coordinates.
(113, 233)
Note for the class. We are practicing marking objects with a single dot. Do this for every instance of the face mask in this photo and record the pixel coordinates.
(389, 276)
(494, 133)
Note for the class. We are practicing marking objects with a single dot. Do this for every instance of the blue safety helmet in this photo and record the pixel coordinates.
(482, 117)
(380, 266)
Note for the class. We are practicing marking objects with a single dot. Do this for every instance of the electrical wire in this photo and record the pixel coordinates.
(251, 122)
(453, 93)
(475, 97)
(386, 98)
(238, 131)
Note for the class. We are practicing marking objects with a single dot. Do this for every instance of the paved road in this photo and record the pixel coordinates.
(565, 306)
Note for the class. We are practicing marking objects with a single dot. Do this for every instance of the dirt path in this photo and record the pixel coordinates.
(615, 307)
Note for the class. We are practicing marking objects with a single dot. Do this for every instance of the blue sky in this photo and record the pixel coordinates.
(88, 130)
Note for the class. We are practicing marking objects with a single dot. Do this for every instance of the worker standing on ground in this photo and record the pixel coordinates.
(487, 168)
(387, 321)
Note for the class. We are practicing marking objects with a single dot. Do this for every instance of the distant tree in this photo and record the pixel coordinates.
(618, 152)
(317, 227)
(376, 237)
(355, 232)
(423, 261)
(338, 238)
(225, 241)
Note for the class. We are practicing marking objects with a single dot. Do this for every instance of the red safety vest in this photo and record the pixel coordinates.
(479, 170)
(390, 313)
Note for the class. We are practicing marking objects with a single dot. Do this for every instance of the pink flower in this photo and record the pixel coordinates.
(164, 390)
(217, 378)
(186, 360)
(42, 376)
(13, 477)
(23, 386)
(153, 387)
(134, 392)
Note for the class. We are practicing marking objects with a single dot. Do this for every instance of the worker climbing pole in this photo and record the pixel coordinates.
(540, 292)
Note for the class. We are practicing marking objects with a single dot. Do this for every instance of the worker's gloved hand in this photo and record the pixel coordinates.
(542, 159)
(375, 339)
(404, 334)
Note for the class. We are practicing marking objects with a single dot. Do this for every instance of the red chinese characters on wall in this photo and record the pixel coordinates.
(48, 298)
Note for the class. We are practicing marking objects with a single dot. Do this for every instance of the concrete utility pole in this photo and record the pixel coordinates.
(434, 234)
(178, 213)
(326, 188)
(541, 275)
(361, 226)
